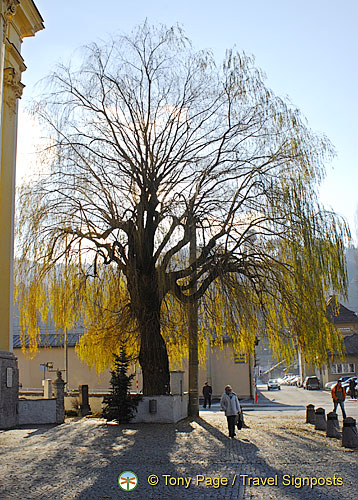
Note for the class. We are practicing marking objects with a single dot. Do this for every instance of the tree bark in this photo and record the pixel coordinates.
(153, 356)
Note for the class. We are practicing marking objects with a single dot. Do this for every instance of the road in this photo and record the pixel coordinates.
(290, 401)
(294, 400)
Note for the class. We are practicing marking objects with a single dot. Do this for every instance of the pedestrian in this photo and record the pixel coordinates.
(207, 392)
(352, 388)
(339, 395)
(230, 404)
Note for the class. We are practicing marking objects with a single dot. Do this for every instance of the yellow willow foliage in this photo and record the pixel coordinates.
(64, 297)
(282, 299)
(174, 328)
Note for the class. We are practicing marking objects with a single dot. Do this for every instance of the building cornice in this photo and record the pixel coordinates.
(27, 18)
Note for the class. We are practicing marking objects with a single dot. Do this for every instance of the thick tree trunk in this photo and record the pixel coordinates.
(153, 356)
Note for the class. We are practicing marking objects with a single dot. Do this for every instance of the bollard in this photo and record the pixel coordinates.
(320, 417)
(349, 434)
(333, 426)
(310, 415)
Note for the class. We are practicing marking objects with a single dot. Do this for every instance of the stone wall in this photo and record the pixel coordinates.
(37, 411)
(44, 411)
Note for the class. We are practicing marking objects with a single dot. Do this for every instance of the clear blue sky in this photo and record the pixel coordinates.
(308, 49)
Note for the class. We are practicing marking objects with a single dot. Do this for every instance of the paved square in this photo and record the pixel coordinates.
(82, 460)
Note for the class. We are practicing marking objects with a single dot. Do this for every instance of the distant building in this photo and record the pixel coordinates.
(222, 367)
(352, 271)
(346, 321)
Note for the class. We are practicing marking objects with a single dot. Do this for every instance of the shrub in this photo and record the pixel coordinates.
(120, 405)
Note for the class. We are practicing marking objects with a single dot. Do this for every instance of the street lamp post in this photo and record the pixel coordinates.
(193, 407)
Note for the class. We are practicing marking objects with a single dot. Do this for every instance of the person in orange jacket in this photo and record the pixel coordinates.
(339, 395)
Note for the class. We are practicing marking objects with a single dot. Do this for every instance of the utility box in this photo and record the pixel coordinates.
(177, 383)
(152, 406)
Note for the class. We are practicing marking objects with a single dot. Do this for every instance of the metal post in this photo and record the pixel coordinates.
(208, 362)
(65, 345)
(250, 376)
(193, 407)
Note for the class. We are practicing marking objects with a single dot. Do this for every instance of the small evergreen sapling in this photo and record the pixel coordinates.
(120, 405)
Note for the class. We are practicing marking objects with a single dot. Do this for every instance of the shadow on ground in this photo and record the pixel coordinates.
(83, 459)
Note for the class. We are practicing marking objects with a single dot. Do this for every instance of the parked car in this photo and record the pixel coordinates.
(311, 383)
(286, 379)
(295, 381)
(328, 386)
(345, 378)
(345, 383)
(272, 384)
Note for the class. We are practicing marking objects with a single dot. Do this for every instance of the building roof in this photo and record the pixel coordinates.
(351, 344)
(49, 340)
(344, 315)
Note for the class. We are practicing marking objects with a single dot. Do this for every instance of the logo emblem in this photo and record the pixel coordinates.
(127, 480)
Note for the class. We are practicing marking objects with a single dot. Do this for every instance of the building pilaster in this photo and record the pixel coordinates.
(18, 19)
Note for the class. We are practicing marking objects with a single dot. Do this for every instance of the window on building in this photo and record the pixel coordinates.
(340, 368)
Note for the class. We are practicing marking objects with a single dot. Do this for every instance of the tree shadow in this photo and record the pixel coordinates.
(82, 460)
(262, 399)
(35, 430)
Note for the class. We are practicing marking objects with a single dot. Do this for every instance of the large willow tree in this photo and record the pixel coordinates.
(149, 141)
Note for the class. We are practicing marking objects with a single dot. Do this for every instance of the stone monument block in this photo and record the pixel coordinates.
(9, 390)
(84, 400)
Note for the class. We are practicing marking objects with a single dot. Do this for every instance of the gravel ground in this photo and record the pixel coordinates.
(82, 459)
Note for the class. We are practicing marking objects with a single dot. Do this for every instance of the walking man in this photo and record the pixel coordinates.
(339, 395)
(207, 392)
(352, 388)
(230, 404)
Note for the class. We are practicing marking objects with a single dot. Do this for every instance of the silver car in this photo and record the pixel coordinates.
(272, 384)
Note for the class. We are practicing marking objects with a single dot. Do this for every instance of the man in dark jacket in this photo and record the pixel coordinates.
(339, 395)
(352, 388)
(207, 392)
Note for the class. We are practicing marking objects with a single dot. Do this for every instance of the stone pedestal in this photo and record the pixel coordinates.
(320, 420)
(168, 409)
(59, 388)
(9, 390)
